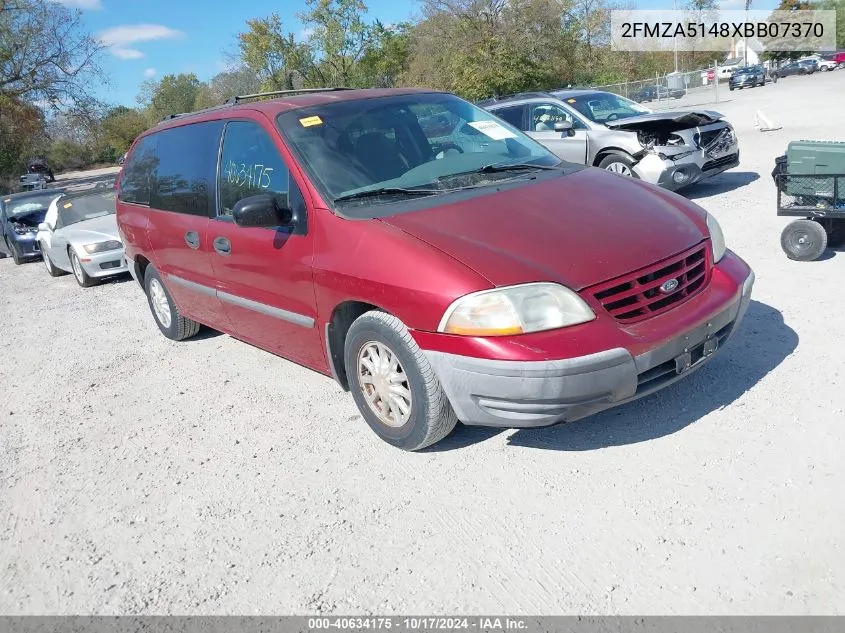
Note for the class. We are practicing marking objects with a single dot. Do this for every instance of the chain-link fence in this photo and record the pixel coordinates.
(675, 90)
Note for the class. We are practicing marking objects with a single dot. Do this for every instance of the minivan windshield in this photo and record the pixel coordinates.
(603, 107)
(366, 152)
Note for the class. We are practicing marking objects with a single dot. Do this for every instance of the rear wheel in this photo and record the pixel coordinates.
(394, 385)
(803, 240)
(618, 164)
(167, 316)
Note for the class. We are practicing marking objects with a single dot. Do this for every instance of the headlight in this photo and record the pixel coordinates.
(101, 247)
(717, 238)
(533, 307)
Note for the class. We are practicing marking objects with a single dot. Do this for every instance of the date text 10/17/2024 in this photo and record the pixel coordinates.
(491, 624)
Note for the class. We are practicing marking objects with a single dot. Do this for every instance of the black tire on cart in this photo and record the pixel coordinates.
(803, 240)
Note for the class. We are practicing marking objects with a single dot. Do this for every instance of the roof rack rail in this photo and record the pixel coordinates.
(279, 93)
(516, 95)
(172, 116)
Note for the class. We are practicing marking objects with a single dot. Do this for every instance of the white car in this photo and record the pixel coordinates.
(823, 64)
(79, 235)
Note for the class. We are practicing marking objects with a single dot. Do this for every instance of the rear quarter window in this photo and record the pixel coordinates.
(137, 172)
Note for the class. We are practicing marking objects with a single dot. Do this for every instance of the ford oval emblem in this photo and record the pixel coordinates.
(669, 286)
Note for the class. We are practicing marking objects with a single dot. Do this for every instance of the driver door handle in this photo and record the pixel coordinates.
(222, 246)
(192, 239)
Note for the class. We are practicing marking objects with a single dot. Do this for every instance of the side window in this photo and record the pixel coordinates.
(249, 165)
(545, 115)
(186, 168)
(513, 115)
(137, 172)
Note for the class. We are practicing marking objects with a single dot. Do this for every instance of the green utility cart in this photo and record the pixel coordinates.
(810, 180)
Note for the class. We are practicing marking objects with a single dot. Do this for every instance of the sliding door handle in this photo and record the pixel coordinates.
(192, 239)
(222, 246)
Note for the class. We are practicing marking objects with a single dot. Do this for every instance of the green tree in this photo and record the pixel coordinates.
(173, 94)
(45, 53)
(339, 39)
(21, 138)
(120, 126)
(273, 54)
(384, 63)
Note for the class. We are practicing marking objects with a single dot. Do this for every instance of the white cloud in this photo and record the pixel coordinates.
(81, 4)
(127, 53)
(150, 72)
(119, 38)
(305, 33)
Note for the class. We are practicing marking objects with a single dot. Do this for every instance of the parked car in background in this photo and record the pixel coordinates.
(79, 235)
(672, 149)
(329, 228)
(822, 63)
(40, 166)
(838, 57)
(32, 182)
(20, 215)
(792, 68)
(657, 93)
(747, 77)
(122, 159)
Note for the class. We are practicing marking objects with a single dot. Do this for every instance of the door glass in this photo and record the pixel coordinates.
(545, 115)
(250, 165)
(513, 115)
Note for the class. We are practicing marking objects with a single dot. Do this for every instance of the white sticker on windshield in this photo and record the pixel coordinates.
(492, 129)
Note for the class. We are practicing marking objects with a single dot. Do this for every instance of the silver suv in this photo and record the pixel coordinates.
(672, 149)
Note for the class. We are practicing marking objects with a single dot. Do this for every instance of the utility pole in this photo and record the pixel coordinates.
(745, 39)
(675, 39)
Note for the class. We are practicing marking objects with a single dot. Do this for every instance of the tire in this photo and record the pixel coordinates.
(803, 240)
(774, 78)
(15, 257)
(823, 69)
(618, 164)
(79, 273)
(429, 416)
(174, 326)
(842, 64)
(731, 88)
(48, 263)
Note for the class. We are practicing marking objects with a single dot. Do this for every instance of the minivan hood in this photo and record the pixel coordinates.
(578, 229)
(678, 119)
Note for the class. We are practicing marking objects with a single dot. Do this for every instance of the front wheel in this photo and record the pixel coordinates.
(394, 385)
(803, 240)
(79, 273)
(618, 164)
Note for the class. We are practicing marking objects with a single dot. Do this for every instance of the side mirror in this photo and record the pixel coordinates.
(43, 226)
(262, 211)
(564, 126)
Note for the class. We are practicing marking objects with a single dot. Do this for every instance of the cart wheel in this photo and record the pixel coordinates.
(803, 240)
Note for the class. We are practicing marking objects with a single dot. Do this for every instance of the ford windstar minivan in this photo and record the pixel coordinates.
(439, 273)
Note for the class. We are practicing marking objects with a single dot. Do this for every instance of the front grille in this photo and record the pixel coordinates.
(706, 138)
(719, 162)
(112, 264)
(638, 295)
(36, 246)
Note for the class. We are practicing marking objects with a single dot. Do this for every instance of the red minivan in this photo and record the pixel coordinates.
(439, 273)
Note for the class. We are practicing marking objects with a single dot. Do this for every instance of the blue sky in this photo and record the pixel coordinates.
(152, 38)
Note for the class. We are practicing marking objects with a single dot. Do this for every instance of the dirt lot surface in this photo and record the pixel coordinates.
(139, 475)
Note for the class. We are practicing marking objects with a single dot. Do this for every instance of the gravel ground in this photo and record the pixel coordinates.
(139, 475)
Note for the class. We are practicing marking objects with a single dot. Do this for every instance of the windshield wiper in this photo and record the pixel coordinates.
(381, 191)
(493, 168)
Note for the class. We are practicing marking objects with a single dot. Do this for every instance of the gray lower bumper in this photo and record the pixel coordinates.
(532, 394)
(694, 168)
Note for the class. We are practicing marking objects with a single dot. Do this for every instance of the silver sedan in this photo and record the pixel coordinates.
(79, 235)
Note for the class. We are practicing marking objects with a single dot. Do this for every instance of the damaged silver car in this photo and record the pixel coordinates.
(672, 149)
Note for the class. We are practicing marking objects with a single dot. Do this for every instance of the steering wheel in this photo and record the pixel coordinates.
(612, 117)
(442, 147)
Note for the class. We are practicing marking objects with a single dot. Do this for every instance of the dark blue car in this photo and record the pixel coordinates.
(20, 215)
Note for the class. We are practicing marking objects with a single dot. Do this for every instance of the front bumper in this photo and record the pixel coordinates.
(515, 394)
(26, 246)
(695, 167)
(104, 264)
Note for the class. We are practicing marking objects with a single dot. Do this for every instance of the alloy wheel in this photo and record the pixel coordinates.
(384, 384)
(161, 306)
